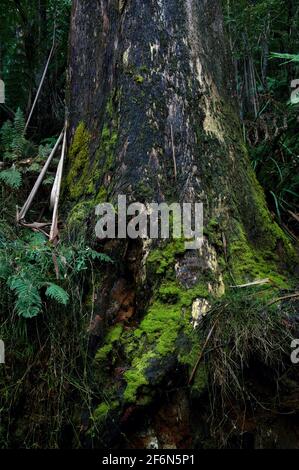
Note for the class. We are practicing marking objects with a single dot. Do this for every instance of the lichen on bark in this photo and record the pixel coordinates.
(159, 125)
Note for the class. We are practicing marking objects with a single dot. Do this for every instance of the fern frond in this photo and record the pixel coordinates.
(7, 134)
(5, 268)
(29, 303)
(19, 122)
(58, 294)
(48, 181)
(11, 177)
(18, 147)
(99, 256)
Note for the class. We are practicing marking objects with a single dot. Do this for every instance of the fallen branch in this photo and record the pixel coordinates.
(285, 297)
(295, 216)
(36, 225)
(22, 214)
(57, 186)
(259, 282)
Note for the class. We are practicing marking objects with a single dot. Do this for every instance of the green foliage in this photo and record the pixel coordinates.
(287, 57)
(247, 324)
(28, 269)
(13, 142)
(57, 293)
(29, 303)
(17, 150)
(26, 37)
(11, 177)
(258, 30)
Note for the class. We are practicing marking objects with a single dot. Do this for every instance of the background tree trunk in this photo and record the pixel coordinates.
(150, 81)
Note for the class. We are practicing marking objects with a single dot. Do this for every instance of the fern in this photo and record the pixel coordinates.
(11, 177)
(13, 140)
(26, 265)
(48, 181)
(5, 268)
(19, 122)
(57, 293)
(29, 303)
(7, 135)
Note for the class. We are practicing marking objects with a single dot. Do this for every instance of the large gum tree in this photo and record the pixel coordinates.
(152, 116)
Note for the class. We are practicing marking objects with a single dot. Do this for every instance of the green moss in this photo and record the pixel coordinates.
(138, 79)
(114, 334)
(169, 293)
(135, 377)
(158, 332)
(85, 174)
(249, 262)
(79, 213)
(103, 353)
(112, 337)
(161, 326)
(107, 147)
(102, 195)
(78, 162)
(101, 412)
(155, 338)
(163, 259)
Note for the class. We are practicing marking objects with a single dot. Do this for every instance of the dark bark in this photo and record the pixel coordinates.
(145, 77)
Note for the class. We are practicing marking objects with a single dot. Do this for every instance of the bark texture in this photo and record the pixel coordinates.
(151, 116)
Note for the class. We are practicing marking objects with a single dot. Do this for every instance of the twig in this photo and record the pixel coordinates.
(54, 227)
(201, 353)
(295, 216)
(36, 225)
(41, 83)
(254, 283)
(285, 297)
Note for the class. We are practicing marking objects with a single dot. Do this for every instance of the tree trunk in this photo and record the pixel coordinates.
(151, 117)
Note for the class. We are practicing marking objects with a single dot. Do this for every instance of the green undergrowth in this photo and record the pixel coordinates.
(249, 326)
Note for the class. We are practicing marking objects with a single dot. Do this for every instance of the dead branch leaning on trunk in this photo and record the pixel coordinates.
(22, 214)
(58, 179)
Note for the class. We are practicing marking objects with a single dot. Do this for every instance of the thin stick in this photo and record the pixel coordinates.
(201, 354)
(38, 182)
(254, 283)
(41, 84)
(54, 227)
(285, 297)
(295, 216)
(36, 225)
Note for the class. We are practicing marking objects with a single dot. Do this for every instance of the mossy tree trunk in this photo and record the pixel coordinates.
(151, 115)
